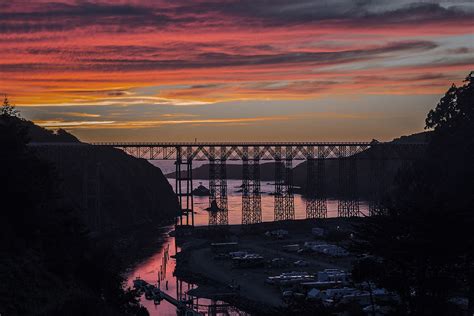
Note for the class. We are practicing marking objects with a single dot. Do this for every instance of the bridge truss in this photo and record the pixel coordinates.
(316, 154)
(316, 203)
(218, 192)
(284, 201)
(348, 199)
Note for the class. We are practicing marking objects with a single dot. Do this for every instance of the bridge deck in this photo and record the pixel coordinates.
(226, 144)
(188, 151)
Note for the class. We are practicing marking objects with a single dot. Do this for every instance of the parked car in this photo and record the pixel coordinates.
(301, 263)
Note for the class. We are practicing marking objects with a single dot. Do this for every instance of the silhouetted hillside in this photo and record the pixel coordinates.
(414, 138)
(49, 262)
(38, 134)
(109, 187)
(234, 171)
(363, 168)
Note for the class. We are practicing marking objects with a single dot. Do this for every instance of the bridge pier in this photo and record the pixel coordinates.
(348, 205)
(316, 203)
(251, 198)
(184, 190)
(218, 192)
(284, 200)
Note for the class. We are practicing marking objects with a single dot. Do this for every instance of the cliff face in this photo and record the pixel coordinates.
(109, 188)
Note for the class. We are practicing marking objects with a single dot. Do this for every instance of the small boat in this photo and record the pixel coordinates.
(213, 208)
(139, 284)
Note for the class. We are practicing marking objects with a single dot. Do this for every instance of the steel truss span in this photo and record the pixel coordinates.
(348, 155)
(255, 150)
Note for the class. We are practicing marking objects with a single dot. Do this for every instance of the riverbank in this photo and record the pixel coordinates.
(138, 242)
(219, 278)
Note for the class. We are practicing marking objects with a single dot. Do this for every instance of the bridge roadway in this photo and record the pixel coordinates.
(253, 150)
(283, 153)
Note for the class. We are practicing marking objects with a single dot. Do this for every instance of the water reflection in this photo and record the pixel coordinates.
(158, 270)
(234, 199)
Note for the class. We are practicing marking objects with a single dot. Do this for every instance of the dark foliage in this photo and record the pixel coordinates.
(48, 264)
(8, 109)
(425, 242)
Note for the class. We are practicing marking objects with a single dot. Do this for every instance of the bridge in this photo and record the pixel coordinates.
(316, 155)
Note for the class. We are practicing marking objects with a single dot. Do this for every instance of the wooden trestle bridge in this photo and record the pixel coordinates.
(316, 154)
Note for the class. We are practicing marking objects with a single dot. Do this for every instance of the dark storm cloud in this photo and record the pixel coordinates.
(55, 16)
(206, 86)
(212, 59)
(216, 60)
(405, 78)
(461, 50)
(62, 17)
(283, 12)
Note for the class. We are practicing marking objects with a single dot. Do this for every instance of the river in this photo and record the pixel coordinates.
(160, 266)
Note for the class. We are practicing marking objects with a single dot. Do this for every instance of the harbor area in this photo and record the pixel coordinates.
(272, 266)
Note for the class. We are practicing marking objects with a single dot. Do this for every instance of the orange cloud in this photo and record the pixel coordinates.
(150, 123)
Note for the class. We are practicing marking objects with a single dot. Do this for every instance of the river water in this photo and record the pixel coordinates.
(161, 265)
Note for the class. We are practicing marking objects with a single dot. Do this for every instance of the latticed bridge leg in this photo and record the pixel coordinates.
(316, 206)
(251, 199)
(284, 200)
(184, 191)
(348, 201)
(218, 193)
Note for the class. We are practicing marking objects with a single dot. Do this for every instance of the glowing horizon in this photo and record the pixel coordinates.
(251, 69)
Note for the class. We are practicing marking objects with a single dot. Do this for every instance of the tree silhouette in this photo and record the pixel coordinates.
(425, 241)
(8, 109)
(455, 111)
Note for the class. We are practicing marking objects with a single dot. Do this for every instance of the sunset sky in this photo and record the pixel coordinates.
(233, 70)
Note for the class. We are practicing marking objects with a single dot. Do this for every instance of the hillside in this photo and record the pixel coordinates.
(110, 188)
(50, 263)
(234, 171)
(363, 168)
